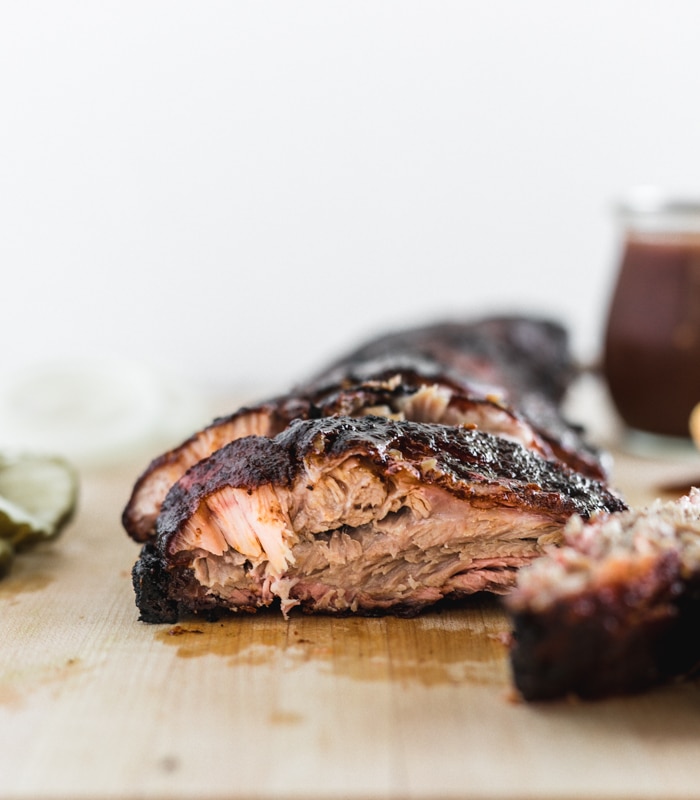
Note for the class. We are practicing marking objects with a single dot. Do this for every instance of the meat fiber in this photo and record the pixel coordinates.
(363, 515)
(505, 376)
(615, 610)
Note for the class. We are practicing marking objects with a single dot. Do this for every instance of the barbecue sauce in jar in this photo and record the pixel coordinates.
(652, 341)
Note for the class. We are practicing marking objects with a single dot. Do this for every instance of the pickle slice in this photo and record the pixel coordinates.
(38, 496)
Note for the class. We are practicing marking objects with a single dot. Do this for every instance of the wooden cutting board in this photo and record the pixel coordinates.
(95, 704)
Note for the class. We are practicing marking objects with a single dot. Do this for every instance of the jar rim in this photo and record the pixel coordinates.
(651, 201)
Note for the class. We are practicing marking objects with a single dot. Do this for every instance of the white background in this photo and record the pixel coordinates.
(235, 191)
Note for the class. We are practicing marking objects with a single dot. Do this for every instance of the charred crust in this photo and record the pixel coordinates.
(151, 581)
(165, 593)
(522, 354)
(463, 457)
(244, 463)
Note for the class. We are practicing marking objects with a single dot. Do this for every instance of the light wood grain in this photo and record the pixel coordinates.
(95, 704)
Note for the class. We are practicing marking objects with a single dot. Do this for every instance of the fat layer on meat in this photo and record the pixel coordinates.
(364, 515)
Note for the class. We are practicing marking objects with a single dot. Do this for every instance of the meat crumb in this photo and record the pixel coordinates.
(178, 630)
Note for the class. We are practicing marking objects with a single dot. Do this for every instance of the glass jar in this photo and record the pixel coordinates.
(651, 358)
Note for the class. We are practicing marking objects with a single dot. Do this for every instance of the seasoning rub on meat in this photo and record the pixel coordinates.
(356, 515)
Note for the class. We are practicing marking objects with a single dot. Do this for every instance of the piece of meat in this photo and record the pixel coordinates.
(395, 400)
(512, 356)
(477, 374)
(355, 515)
(615, 610)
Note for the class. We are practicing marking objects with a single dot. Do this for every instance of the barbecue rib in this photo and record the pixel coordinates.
(615, 610)
(505, 376)
(355, 515)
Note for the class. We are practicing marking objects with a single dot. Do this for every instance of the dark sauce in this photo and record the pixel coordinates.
(652, 345)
